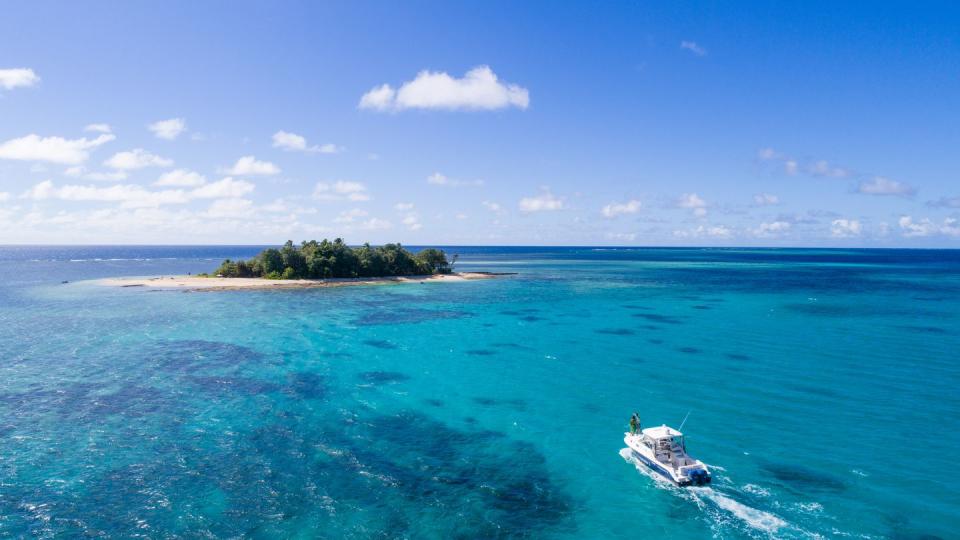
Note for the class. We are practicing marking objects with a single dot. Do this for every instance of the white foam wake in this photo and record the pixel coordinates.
(710, 500)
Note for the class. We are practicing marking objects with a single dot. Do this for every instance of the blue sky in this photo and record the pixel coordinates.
(633, 123)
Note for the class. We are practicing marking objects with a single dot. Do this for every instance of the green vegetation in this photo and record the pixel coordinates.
(326, 259)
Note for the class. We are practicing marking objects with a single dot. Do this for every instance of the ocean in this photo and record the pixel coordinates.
(821, 387)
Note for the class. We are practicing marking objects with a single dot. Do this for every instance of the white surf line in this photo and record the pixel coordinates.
(754, 518)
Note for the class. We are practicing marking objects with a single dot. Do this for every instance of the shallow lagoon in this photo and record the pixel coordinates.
(482, 409)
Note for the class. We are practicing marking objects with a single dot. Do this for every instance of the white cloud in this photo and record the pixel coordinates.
(403, 206)
(479, 89)
(379, 98)
(168, 129)
(376, 224)
(4, 196)
(130, 195)
(845, 228)
(17, 77)
(694, 203)
(545, 202)
(767, 154)
(79, 171)
(293, 142)
(98, 128)
(880, 185)
(135, 196)
(221, 189)
(627, 237)
(230, 209)
(138, 158)
(615, 209)
(824, 168)
(926, 227)
(492, 206)
(181, 178)
(766, 199)
(412, 221)
(793, 166)
(52, 149)
(340, 190)
(772, 229)
(716, 231)
(439, 179)
(693, 47)
(249, 166)
(349, 216)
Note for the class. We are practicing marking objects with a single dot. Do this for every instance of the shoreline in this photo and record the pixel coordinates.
(197, 283)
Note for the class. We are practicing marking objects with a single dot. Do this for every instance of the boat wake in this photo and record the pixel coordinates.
(721, 508)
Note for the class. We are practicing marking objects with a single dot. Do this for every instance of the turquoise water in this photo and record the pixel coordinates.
(821, 386)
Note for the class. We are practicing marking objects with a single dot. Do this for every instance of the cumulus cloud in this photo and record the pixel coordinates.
(845, 228)
(793, 166)
(52, 149)
(615, 209)
(130, 195)
(412, 222)
(492, 206)
(544, 202)
(181, 178)
(98, 128)
(716, 231)
(766, 199)
(479, 89)
(4, 196)
(136, 196)
(349, 216)
(225, 188)
(292, 142)
(926, 227)
(17, 78)
(341, 190)
(79, 171)
(375, 224)
(403, 206)
(439, 179)
(771, 229)
(231, 209)
(825, 168)
(693, 47)
(168, 129)
(880, 185)
(694, 203)
(250, 166)
(626, 237)
(138, 158)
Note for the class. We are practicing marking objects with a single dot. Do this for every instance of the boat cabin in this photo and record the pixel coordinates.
(667, 444)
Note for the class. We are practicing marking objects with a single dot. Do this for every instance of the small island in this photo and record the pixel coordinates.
(318, 264)
(326, 259)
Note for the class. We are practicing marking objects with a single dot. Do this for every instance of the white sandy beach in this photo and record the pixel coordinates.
(221, 283)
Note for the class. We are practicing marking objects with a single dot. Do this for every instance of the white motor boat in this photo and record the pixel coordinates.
(664, 450)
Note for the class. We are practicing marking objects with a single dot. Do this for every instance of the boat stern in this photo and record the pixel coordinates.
(699, 476)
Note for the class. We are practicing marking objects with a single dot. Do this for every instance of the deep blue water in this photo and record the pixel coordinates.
(822, 386)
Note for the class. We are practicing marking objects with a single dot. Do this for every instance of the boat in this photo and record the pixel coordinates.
(664, 450)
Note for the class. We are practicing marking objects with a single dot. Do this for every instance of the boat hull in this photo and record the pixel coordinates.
(652, 464)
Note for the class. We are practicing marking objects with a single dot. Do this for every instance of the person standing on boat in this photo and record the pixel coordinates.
(634, 423)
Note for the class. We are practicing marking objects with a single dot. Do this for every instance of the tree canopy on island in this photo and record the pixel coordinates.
(326, 259)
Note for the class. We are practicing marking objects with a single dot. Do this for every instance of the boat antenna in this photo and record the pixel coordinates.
(684, 421)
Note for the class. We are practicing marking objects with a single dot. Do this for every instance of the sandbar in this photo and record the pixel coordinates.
(200, 283)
